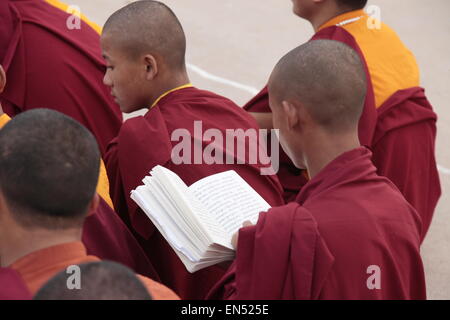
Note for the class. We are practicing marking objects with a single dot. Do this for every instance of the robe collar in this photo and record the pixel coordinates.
(188, 85)
(50, 256)
(343, 17)
(352, 165)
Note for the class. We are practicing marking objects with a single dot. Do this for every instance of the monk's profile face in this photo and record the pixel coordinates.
(125, 76)
(304, 8)
(289, 140)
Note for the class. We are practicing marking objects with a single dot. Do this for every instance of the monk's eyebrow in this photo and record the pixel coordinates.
(105, 56)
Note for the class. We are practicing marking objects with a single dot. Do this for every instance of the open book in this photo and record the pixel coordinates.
(199, 221)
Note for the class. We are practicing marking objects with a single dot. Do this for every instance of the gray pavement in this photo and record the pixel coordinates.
(242, 40)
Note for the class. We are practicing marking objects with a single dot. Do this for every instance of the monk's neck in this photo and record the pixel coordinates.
(321, 152)
(324, 16)
(19, 243)
(171, 82)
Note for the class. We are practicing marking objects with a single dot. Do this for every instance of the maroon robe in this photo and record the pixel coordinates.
(108, 238)
(53, 67)
(322, 245)
(145, 142)
(12, 286)
(404, 150)
(401, 134)
(49, 66)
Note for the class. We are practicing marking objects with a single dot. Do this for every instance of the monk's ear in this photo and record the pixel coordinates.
(2, 79)
(151, 67)
(93, 206)
(291, 114)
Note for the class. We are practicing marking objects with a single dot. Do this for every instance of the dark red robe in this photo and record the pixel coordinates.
(322, 245)
(12, 286)
(50, 66)
(390, 132)
(144, 142)
(107, 237)
(404, 150)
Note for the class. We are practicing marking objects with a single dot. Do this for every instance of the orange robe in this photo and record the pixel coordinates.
(38, 267)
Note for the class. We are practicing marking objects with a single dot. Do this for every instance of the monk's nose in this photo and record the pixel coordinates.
(107, 80)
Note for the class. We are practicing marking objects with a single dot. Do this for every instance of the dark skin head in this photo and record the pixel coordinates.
(317, 93)
(99, 281)
(144, 47)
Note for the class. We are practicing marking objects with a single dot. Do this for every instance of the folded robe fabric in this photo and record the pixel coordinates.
(51, 66)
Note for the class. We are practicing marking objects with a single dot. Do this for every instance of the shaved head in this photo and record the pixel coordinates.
(328, 78)
(147, 26)
(49, 168)
(102, 280)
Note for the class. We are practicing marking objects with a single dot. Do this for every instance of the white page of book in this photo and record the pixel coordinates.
(146, 200)
(230, 199)
(189, 204)
(181, 221)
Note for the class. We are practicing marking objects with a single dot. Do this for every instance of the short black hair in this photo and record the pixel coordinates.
(49, 169)
(103, 280)
(352, 4)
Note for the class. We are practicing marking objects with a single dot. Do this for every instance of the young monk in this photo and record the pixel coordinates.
(104, 234)
(339, 238)
(49, 166)
(144, 46)
(103, 280)
(398, 123)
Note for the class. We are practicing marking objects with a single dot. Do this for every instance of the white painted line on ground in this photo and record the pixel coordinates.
(443, 170)
(218, 79)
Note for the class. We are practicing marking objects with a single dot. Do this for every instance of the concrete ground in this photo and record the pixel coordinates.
(233, 46)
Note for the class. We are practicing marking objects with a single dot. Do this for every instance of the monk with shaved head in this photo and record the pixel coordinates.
(397, 122)
(339, 238)
(144, 40)
(144, 47)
